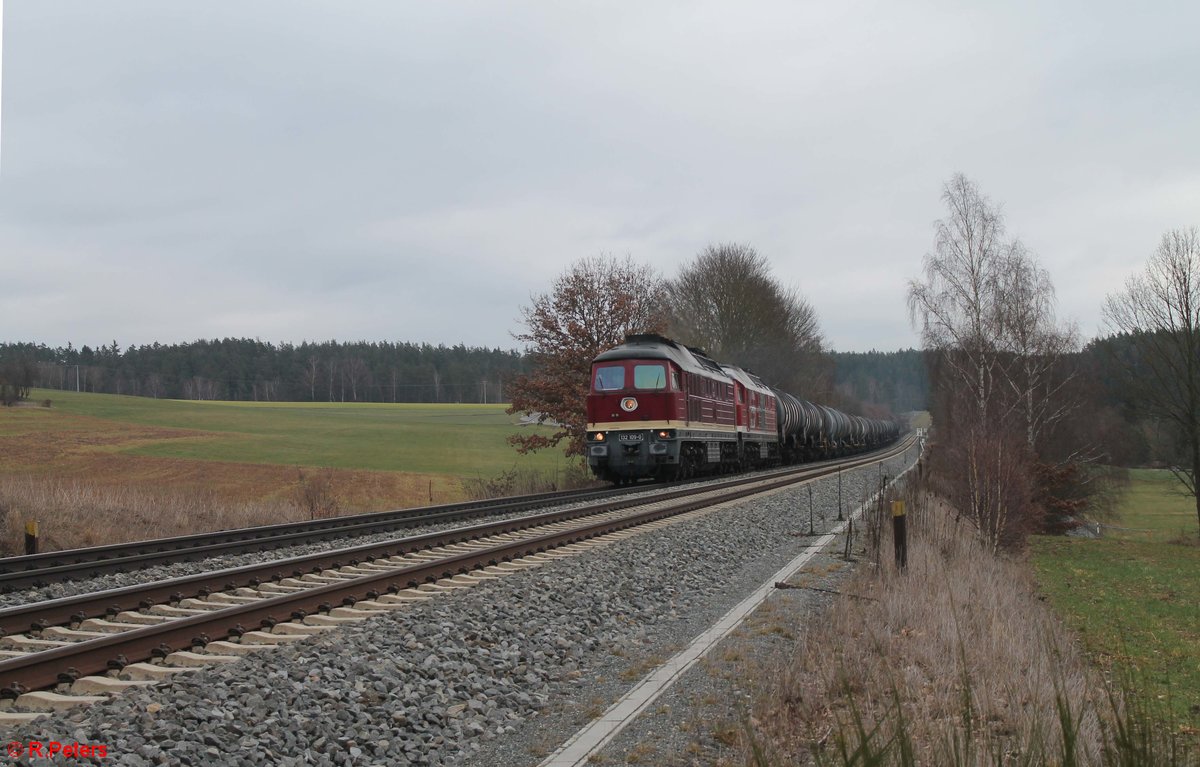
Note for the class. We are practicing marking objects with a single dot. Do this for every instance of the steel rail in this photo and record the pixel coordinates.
(35, 570)
(75, 609)
(49, 667)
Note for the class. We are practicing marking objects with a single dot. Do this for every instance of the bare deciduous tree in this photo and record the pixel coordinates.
(728, 303)
(17, 377)
(985, 310)
(591, 307)
(1160, 308)
(1033, 344)
(959, 306)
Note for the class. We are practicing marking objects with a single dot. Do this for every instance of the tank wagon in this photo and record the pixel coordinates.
(659, 409)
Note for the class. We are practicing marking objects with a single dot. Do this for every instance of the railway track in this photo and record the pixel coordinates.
(38, 570)
(76, 641)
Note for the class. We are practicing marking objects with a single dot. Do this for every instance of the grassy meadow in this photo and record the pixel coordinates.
(119, 453)
(1134, 594)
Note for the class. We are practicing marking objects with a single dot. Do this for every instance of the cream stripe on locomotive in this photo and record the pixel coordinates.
(760, 436)
(643, 425)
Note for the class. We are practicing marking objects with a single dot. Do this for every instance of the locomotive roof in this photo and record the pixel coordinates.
(656, 347)
(747, 379)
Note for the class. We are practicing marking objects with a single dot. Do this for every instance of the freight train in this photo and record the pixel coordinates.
(659, 409)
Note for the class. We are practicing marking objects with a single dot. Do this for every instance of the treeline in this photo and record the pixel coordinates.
(253, 370)
(246, 369)
(893, 381)
(1126, 431)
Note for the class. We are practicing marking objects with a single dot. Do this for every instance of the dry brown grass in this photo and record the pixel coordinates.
(76, 475)
(958, 646)
(72, 513)
(183, 497)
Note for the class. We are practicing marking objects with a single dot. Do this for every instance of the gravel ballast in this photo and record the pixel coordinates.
(160, 572)
(502, 673)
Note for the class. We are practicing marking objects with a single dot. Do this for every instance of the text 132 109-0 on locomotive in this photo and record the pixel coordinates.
(660, 409)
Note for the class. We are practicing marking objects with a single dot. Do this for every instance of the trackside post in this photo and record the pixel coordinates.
(31, 537)
(811, 530)
(900, 534)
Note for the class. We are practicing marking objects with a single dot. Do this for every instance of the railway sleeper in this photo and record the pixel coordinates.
(438, 587)
(326, 576)
(45, 701)
(335, 620)
(271, 588)
(403, 597)
(176, 612)
(104, 626)
(105, 685)
(297, 629)
(269, 638)
(154, 672)
(234, 599)
(21, 642)
(191, 659)
(372, 605)
(71, 635)
(14, 718)
(224, 647)
(367, 568)
(193, 603)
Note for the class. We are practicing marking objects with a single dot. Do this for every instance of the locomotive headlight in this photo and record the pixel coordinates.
(598, 436)
(666, 434)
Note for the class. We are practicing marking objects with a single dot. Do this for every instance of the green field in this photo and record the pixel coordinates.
(446, 439)
(95, 468)
(462, 440)
(1134, 595)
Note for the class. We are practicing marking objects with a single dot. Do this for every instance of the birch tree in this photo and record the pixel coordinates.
(958, 308)
(985, 311)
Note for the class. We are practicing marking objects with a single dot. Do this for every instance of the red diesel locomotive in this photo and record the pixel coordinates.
(663, 410)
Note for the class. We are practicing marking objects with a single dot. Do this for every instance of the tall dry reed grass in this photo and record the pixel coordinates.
(73, 513)
(955, 661)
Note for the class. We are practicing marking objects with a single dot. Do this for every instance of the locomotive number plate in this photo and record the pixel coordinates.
(630, 437)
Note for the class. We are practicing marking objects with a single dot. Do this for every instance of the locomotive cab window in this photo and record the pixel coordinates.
(610, 378)
(649, 377)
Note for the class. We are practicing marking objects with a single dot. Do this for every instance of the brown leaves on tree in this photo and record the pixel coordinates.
(591, 308)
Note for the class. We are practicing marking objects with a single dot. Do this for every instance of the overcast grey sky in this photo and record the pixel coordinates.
(414, 171)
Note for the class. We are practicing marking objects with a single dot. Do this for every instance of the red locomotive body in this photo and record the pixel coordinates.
(660, 409)
(757, 420)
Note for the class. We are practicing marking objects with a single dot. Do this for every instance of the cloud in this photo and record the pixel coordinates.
(295, 170)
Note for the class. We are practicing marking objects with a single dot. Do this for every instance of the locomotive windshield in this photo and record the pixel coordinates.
(649, 377)
(610, 378)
